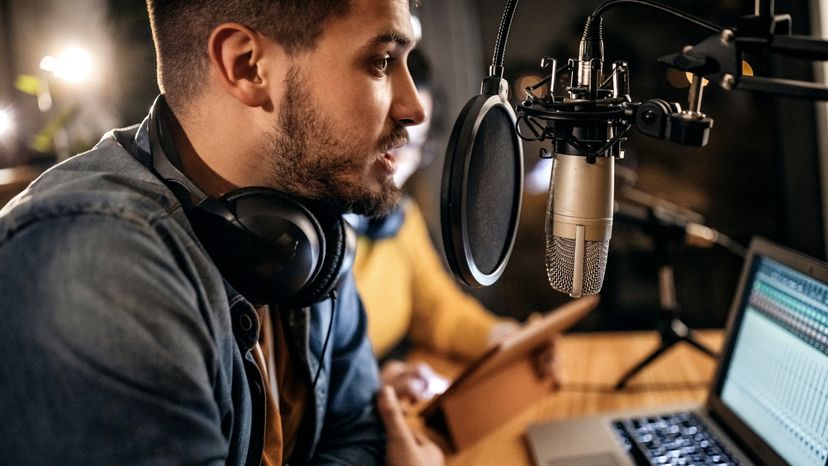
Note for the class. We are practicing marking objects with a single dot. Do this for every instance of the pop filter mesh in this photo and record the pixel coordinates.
(560, 262)
(492, 174)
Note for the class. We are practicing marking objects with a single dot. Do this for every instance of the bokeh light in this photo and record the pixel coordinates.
(6, 123)
(73, 65)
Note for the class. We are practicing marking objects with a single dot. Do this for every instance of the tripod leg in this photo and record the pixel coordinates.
(690, 338)
(671, 329)
(664, 346)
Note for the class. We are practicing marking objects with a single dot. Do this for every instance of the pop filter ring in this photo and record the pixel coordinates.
(455, 194)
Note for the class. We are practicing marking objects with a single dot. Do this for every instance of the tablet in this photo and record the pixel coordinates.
(502, 380)
(519, 345)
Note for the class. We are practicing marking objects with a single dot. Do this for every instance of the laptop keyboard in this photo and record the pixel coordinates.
(672, 439)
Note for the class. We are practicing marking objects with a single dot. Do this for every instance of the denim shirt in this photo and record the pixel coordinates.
(120, 343)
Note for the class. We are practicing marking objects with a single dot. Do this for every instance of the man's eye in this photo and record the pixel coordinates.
(381, 65)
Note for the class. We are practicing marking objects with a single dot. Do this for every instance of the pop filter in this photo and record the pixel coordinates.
(482, 187)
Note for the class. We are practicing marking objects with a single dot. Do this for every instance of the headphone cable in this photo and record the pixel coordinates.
(327, 339)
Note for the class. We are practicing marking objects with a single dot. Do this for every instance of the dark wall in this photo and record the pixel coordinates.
(136, 59)
(796, 144)
(5, 51)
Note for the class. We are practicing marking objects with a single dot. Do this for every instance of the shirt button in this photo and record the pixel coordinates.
(245, 323)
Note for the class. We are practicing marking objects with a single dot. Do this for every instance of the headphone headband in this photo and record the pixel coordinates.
(161, 143)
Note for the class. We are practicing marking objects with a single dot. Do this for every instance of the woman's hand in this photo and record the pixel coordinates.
(413, 383)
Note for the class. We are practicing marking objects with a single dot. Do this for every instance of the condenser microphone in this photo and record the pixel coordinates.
(579, 223)
(482, 177)
(580, 207)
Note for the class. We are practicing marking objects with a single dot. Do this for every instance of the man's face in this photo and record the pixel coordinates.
(344, 108)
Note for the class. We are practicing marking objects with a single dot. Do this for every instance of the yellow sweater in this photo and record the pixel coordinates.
(406, 290)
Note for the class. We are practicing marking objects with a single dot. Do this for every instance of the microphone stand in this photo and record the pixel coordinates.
(668, 239)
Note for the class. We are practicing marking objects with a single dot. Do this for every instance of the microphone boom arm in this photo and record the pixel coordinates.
(719, 58)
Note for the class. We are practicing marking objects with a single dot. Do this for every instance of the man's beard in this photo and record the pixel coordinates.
(308, 161)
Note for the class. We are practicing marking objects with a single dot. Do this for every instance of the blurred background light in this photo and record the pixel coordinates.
(73, 65)
(6, 123)
(417, 26)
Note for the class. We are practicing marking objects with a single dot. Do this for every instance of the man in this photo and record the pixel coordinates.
(122, 342)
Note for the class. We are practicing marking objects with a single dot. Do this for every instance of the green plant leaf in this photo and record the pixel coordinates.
(27, 83)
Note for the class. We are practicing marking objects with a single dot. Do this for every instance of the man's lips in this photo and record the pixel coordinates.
(388, 159)
(388, 163)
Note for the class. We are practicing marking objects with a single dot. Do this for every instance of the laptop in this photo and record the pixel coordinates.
(767, 405)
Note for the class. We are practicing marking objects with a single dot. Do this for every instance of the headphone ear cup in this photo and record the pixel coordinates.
(274, 249)
(340, 249)
(266, 244)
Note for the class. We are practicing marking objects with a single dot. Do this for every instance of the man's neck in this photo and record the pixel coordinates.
(194, 167)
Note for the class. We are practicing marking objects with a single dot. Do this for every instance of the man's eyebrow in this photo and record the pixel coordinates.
(391, 36)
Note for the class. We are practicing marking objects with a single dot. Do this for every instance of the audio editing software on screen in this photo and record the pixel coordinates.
(778, 377)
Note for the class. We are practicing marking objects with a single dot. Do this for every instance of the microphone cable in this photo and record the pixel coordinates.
(712, 27)
(511, 6)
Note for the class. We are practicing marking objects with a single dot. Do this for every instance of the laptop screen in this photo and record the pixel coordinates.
(777, 377)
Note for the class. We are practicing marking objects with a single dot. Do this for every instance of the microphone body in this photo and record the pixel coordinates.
(579, 223)
(580, 207)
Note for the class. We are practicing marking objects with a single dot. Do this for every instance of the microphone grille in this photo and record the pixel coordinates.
(560, 263)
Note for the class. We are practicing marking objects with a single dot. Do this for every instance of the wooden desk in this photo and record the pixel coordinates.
(591, 364)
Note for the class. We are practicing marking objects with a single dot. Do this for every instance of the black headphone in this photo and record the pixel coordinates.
(271, 247)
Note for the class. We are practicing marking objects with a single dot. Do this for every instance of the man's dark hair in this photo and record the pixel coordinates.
(180, 29)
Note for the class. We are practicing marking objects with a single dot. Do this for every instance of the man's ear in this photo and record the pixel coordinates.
(236, 54)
